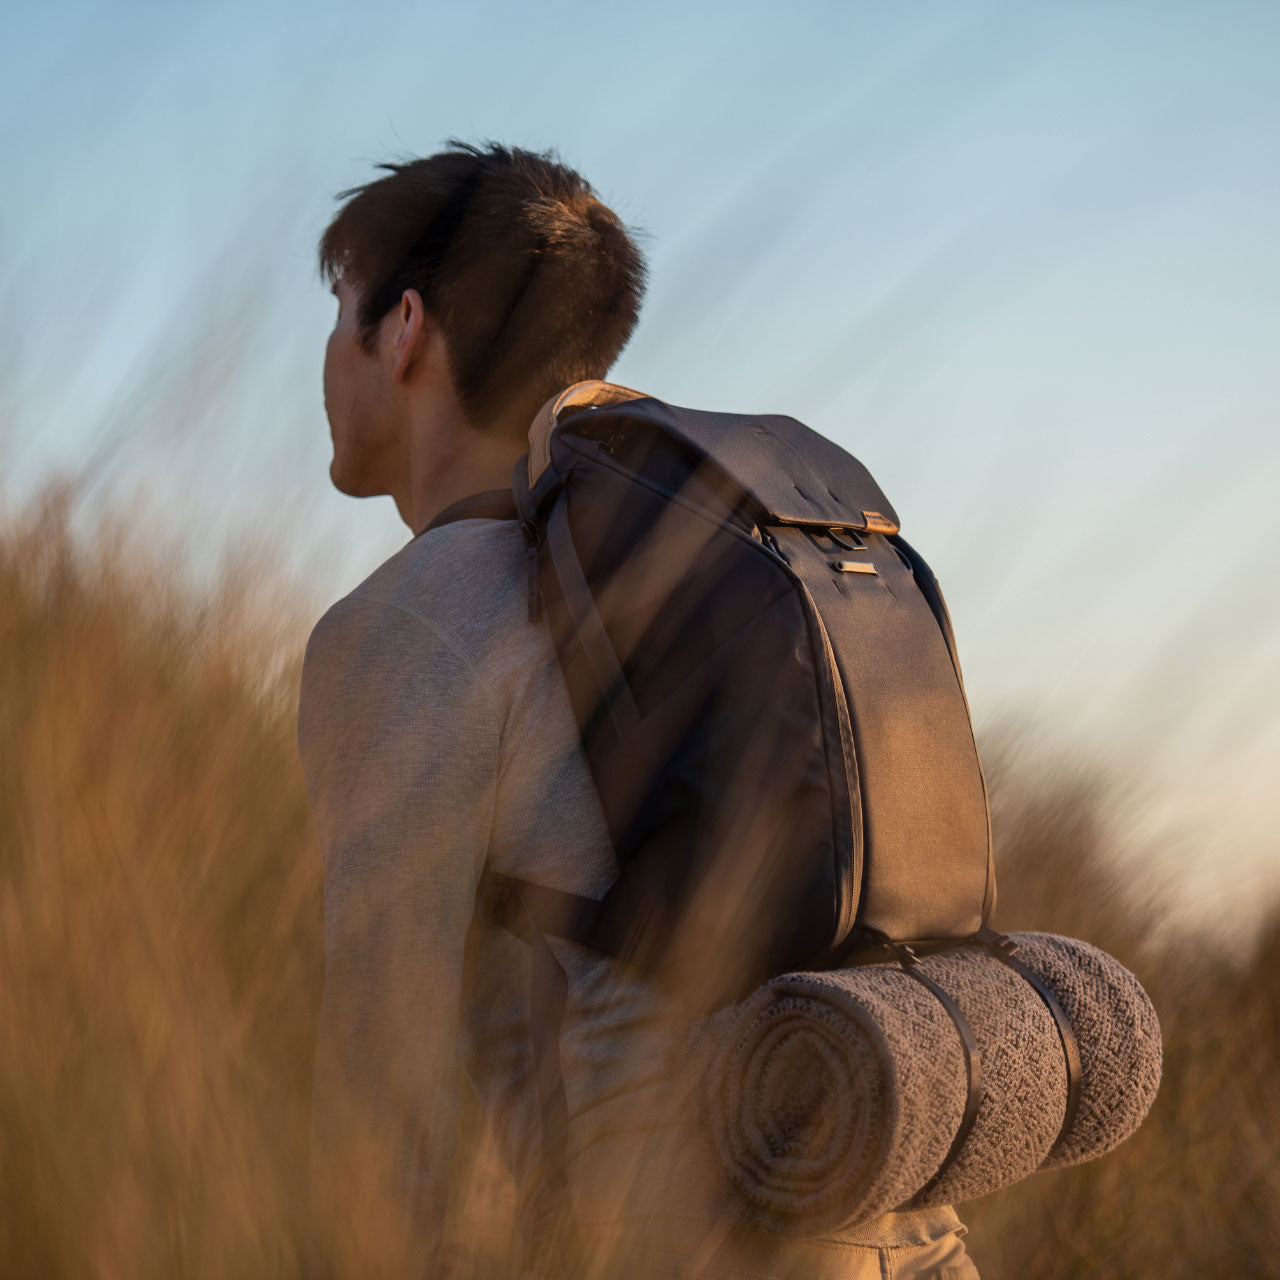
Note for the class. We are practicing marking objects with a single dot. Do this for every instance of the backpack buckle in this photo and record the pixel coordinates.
(903, 952)
(997, 943)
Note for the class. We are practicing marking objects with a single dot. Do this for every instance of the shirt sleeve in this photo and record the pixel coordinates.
(399, 746)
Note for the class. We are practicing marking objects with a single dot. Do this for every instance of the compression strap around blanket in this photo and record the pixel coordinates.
(1003, 948)
(906, 957)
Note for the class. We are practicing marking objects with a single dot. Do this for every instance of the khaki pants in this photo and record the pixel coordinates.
(674, 1249)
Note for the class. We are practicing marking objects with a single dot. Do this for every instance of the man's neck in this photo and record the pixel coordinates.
(483, 461)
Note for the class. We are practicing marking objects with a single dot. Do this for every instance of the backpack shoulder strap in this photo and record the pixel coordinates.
(492, 504)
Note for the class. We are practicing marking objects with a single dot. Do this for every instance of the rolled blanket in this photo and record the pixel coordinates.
(830, 1098)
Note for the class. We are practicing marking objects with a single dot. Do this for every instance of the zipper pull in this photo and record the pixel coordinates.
(532, 539)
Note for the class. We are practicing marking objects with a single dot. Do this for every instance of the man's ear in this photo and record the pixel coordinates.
(415, 329)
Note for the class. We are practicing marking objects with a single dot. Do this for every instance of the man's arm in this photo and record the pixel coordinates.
(399, 746)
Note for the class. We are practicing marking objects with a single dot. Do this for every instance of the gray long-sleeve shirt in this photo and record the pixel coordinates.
(435, 734)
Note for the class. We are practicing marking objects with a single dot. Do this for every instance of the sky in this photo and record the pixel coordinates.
(1020, 258)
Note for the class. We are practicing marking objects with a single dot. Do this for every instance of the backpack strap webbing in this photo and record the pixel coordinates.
(973, 1073)
(492, 504)
(551, 911)
(909, 962)
(587, 622)
(1003, 949)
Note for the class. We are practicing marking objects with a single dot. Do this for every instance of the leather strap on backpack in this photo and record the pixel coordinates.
(1003, 949)
(906, 957)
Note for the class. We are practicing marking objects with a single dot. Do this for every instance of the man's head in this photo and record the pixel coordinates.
(473, 285)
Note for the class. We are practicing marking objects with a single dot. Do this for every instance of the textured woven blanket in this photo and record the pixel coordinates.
(830, 1098)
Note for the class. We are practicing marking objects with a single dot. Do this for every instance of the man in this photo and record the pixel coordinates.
(437, 739)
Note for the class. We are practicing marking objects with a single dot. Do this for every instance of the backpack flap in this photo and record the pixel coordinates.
(790, 473)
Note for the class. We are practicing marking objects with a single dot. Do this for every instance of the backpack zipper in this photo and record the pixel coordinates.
(850, 886)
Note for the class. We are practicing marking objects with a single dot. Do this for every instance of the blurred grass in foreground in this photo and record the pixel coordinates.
(160, 961)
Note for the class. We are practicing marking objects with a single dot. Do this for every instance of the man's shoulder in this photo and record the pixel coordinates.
(462, 584)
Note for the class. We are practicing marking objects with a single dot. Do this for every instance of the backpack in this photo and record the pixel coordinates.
(765, 682)
(765, 685)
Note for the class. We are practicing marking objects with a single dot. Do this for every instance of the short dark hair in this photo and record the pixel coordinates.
(536, 284)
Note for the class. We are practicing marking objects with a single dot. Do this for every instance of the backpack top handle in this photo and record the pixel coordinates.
(578, 396)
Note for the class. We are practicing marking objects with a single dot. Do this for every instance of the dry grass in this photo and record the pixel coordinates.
(160, 963)
(1196, 1192)
(159, 927)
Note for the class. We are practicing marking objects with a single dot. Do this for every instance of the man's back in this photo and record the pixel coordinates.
(436, 735)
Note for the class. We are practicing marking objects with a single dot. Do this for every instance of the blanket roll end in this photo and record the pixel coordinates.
(1118, 1030)
(814, 1097)
(830, 1098)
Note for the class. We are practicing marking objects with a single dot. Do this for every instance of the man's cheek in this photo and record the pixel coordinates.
(327, 380)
